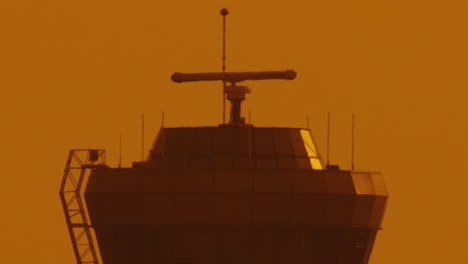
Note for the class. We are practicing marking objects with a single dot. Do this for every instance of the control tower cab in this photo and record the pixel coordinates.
(234, 194)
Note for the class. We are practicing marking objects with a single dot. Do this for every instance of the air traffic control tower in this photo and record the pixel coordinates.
(228, 194)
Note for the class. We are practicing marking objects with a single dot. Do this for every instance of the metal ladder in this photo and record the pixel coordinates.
(79, 163)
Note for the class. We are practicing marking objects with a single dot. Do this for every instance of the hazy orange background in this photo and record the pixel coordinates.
(76, 74)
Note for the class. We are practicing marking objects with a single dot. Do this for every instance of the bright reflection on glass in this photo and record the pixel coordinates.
(311, 150)
(316, 164)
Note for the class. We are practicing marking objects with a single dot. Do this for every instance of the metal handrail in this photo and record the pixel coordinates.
(79, 227)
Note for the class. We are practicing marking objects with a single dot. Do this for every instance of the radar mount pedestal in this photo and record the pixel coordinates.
(235, 95)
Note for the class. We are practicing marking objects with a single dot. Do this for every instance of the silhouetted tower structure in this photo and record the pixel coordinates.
(232, 194)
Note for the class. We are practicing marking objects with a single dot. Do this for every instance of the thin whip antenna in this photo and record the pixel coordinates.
(224, 12)
(142, 137)
(162, 133)
(352, 142)
(120, 150)
(250, 140)
(328, 139)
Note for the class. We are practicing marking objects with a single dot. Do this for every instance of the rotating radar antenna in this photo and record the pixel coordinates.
(235, 93)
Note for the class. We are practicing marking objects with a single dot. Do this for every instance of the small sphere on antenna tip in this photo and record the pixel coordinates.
(224, 11)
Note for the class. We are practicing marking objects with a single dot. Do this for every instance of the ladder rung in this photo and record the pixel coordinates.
(80, 225)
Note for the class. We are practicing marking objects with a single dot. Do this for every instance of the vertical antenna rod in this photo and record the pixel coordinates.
(120, 150)
(162, 133)
(352, 143)
(328, 139)
(224, 12)
(142, 137)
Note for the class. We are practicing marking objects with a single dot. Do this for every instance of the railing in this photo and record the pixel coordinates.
(79, 163)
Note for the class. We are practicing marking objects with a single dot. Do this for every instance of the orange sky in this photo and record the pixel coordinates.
(76, 74)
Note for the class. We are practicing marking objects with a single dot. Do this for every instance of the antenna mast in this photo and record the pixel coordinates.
(162, 132)
(224, 12)
(328, 139)
(120, 150)
(142, 137)
(352, 143)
